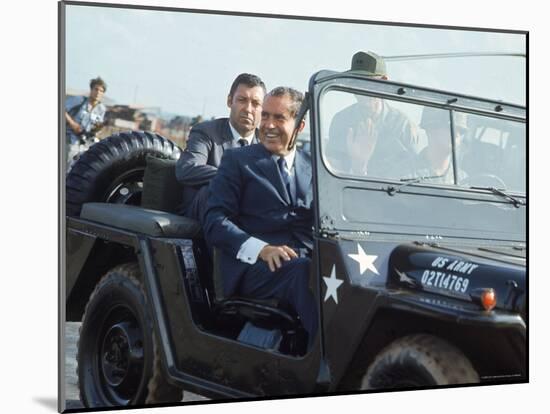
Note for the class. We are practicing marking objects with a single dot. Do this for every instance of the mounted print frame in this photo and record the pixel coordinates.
(414, 199)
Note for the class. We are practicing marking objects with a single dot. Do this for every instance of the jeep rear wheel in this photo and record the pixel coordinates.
(111, 170)
(118, 355)
(419, 361)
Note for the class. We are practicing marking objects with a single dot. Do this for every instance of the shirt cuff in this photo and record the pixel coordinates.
(250, 250)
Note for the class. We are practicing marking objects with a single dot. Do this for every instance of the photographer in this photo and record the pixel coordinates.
(84, 117)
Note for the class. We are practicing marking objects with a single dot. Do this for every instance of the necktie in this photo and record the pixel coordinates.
(241, 142)
(281, 162)
(304, 238)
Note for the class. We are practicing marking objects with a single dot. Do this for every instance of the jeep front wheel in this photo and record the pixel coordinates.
(118, 356)
(419, 361)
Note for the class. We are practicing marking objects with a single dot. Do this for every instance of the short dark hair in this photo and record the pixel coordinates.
(246, 79)
(98, 82)
(296, 97)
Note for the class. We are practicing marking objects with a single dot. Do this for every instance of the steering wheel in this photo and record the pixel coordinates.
(484, 180)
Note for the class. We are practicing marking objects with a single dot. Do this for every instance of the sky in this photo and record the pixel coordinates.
(185, 62)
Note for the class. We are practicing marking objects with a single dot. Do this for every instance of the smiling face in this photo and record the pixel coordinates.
(246, 108)
(277, 125)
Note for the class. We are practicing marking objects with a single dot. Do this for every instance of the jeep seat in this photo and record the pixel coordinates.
(270, 312)
(153, 223)
(161, 189)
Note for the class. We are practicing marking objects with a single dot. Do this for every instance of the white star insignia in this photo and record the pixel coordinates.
(332, 285)
(404, 278)
(366, 261)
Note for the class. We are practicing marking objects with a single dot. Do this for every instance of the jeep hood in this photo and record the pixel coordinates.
(462, 272)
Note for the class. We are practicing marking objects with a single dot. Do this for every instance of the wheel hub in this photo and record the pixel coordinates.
(127, 189)
(122, 358)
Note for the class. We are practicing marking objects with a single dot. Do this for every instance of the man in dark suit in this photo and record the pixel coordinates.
(207, 141)
(259, 212)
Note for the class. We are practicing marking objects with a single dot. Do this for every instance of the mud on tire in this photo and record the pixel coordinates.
(417, 361)
(118, 358)
(112, 170)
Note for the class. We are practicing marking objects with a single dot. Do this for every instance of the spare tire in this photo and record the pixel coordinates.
(112, 170)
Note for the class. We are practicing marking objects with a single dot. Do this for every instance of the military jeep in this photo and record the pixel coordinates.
(420, 281)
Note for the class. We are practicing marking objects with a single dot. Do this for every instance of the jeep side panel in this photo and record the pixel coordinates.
(193, 356)
(199, 353)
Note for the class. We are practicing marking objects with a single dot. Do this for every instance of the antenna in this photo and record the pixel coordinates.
(450, 55)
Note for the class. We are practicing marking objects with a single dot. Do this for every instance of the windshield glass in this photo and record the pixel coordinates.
(371, 137)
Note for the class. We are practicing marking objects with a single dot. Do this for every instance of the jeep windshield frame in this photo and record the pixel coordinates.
(363, 202)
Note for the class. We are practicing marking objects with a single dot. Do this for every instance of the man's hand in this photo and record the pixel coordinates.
(75, 126)
(361, 143)
(274, 255)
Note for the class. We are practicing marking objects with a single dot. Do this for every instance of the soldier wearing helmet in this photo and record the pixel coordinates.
(371, 137)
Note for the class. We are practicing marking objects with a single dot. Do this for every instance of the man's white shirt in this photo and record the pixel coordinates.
(237, 136)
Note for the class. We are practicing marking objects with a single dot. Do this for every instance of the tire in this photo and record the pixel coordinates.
(419, 361)
(118, 359)
(112, 170)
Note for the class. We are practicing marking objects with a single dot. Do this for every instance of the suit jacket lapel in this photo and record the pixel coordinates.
(227, 136)
(268, 167)
(302, 169)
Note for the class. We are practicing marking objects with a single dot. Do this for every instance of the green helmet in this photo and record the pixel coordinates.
(437, 117)
(368, 63)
